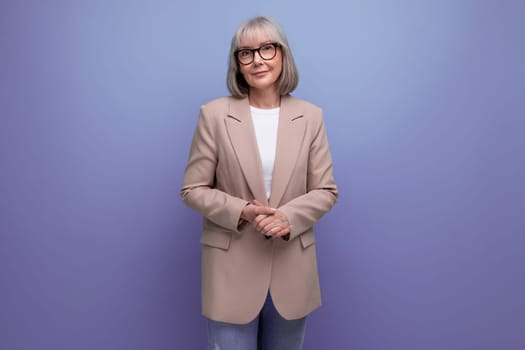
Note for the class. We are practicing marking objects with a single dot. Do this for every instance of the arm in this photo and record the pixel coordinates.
(198, 190)
(304, 211)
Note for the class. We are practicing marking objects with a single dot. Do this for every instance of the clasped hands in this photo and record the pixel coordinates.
(268, 221)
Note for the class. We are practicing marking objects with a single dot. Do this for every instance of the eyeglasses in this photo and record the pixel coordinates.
(266, 52)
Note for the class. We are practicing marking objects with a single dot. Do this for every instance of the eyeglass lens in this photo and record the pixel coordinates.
(267, 52)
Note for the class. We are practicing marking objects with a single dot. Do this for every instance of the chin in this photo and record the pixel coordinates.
(262, 86)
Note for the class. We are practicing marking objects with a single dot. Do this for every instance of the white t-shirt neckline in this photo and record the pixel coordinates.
(265, 123)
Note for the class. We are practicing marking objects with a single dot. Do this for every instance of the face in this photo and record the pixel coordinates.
(261, 74)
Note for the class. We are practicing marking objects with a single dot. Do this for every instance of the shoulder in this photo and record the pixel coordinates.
(300, 102)
(306, 108)
(219, 104)
(213, 111)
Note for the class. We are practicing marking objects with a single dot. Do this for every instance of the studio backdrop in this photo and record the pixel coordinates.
(423, 105)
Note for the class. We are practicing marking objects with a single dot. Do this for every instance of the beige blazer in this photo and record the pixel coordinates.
(223, 174)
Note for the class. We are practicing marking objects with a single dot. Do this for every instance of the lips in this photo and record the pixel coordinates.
(261, 73)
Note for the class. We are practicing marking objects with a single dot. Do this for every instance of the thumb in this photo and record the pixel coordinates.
(257, 203)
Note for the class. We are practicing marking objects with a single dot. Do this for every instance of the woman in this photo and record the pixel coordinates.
(260, 173)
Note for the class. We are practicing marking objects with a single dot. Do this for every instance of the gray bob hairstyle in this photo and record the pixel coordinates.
(289, 77)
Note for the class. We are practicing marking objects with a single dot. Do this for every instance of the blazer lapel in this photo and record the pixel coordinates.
(290, 138)
(242, 136)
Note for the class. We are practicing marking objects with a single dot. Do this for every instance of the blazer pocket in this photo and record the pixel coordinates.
(216, 239)
(307, 239)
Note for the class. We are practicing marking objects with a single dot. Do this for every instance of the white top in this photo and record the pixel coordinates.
(266, 122)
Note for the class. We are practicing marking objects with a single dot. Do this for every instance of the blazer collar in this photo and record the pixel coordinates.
(240, 108)
(290, 137)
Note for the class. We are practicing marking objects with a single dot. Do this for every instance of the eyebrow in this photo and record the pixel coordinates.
(261, 44)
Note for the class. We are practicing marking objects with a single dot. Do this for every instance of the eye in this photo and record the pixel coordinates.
(244, 53)
(267, 48)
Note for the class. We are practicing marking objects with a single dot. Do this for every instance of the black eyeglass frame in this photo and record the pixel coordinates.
(274, 44)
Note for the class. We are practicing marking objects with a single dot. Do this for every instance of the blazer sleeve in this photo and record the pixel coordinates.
(304, 211)
(198, 190)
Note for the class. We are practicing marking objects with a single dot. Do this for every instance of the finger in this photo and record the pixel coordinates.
(263, 223)
(264, 210)
(257, 203)
(259, 225)
(271, 229)
(268, 234)
(284, 231)
(270, 222)
(259, 218)
(281, 233)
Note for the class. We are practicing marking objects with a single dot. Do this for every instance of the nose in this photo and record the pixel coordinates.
(257, 57)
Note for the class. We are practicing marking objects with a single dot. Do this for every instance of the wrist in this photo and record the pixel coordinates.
(244, 213)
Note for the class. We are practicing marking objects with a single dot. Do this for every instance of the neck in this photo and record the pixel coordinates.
(264, 99)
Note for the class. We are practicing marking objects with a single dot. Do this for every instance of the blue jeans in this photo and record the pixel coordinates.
(269, 331)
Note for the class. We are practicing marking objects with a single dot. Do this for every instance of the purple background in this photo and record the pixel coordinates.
(424, 107)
